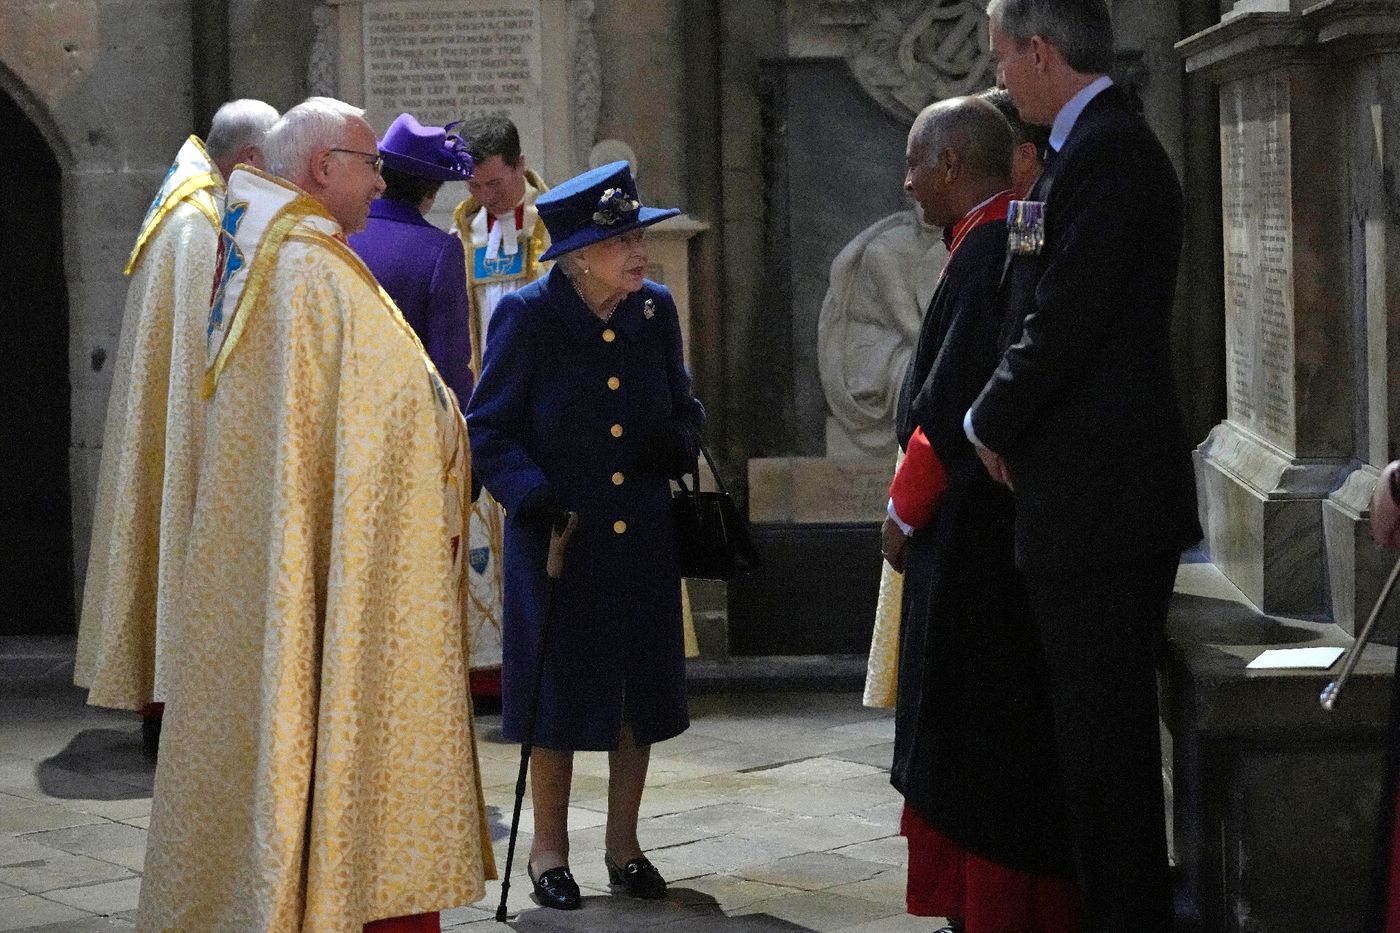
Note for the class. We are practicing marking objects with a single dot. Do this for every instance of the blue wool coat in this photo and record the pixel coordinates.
(566, 398)
(422, 269)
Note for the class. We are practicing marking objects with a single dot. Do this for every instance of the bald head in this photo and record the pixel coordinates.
(236, 133)
(971, 129)
(959, 154)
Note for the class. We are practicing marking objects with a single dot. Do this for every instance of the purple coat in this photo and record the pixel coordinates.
(423, 270)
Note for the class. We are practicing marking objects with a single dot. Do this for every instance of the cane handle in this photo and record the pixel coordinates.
(558, 541)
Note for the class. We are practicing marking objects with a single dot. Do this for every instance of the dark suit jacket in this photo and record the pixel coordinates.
(1083, 405)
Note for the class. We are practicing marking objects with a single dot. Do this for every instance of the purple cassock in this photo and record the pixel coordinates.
(423, 270)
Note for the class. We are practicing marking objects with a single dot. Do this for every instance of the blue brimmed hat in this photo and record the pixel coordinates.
(431, 152)
(595, 206)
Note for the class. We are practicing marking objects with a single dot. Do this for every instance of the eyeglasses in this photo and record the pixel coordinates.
(375, 159)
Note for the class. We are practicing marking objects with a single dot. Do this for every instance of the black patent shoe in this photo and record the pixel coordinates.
(954, 926)
(556, 888)
(639, 877)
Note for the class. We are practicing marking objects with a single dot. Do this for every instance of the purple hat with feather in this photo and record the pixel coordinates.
(431, 152)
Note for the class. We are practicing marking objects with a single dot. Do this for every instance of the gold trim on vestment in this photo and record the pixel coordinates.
(264, 257)
(182, 191)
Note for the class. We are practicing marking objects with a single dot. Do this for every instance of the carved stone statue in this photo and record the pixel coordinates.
(880, 284)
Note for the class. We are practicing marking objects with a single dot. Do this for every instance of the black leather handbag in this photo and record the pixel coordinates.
(714, 542)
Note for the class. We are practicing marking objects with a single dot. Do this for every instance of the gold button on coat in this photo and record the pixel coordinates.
(617, 479)
(609, 336)
(616, 430)
(619, 526)
(614, 382)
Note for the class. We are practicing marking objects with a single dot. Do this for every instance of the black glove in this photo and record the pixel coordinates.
(671, 449)
(542, 507)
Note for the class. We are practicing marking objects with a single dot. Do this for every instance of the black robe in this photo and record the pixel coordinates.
(974, 752)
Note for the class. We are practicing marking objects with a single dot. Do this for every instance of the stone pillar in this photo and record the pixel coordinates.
(1289, 436)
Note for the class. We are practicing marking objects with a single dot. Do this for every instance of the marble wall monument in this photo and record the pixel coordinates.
(534, 61)
(1308, 303)
(1307, 105)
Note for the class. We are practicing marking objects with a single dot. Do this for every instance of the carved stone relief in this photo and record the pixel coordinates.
(908, 53)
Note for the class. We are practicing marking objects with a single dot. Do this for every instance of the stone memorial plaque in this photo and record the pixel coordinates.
(1257, 201)
(445, 60)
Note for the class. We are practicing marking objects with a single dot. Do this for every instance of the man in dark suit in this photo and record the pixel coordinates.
(1081, 420)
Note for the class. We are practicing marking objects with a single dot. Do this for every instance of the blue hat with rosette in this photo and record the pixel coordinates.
(431, 152)
(595, 206)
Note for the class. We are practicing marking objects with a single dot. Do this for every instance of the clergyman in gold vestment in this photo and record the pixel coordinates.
(318, 770)
(155, 419)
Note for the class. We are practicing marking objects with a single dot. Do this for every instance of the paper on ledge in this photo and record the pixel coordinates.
(1319, 658)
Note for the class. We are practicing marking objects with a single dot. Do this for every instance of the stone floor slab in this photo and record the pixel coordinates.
(59, 871)
(879, 755)
(822, 911)
(772, 814)
(813, 871)
(86, 840)
(731, 851)
(890, 850)
(822, 770)
(22, 913)
(110, 898)
(823, 833)
(86, 925)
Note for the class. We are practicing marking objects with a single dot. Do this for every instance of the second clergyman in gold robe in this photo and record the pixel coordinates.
(319, 769)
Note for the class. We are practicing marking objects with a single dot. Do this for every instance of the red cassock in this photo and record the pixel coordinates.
(418, 923)
(946, 880)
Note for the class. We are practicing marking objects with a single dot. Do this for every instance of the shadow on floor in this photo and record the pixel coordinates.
(683, 910)
(99, 764)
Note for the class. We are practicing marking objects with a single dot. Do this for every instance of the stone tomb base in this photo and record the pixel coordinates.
(816, 525)
(1262, 514)
(1276, 801)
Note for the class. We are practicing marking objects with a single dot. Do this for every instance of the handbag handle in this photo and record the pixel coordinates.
(695, 471)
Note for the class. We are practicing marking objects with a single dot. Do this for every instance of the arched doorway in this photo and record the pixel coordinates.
(36, 537)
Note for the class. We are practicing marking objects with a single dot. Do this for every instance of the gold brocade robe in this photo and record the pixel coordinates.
(150, 447)
(318, 766)
(882, 667)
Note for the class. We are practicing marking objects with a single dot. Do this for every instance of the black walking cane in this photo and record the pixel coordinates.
(554, 566)
(1334, 690)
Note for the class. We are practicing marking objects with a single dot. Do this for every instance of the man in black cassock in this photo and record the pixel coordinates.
(974, 756)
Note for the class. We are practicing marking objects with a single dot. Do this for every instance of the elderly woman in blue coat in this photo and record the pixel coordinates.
(584, 404)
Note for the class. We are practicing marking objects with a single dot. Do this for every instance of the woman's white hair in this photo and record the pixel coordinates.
(315, 123)
(571, 264)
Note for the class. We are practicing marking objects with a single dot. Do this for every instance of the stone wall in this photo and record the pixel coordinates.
(269, 45)
(108, 85)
